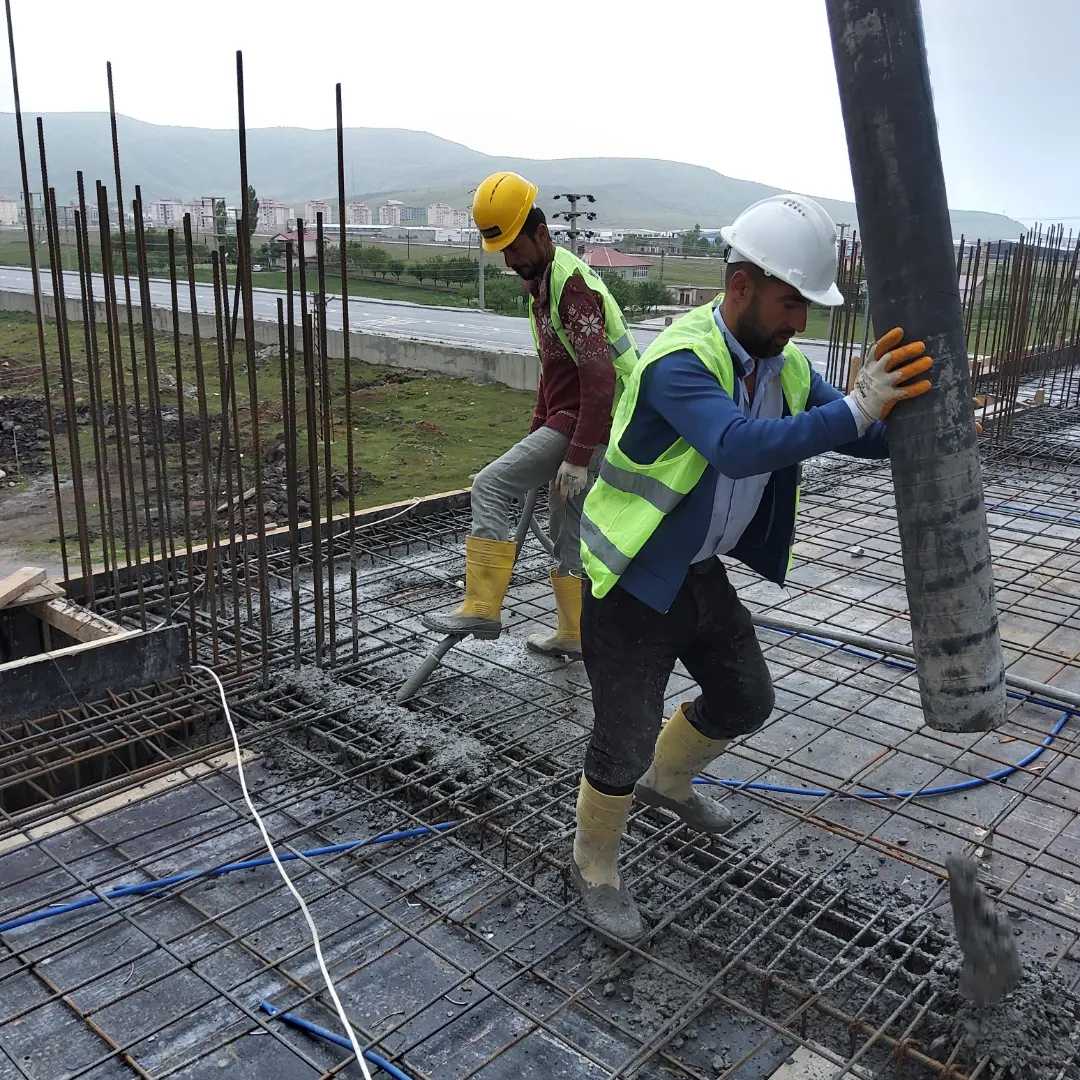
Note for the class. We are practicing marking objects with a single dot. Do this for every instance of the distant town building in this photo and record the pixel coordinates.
(608, 262)
(212, 210)
(313, 208)
(37, 210)
(448, 217)
(10, 211)
(440, 215)
(648, 242)
(414, 215)
(693, 295)
(65, 216)
(357, 213)
(311, 237)
(273, 216)
(390, 212)
(165, 213)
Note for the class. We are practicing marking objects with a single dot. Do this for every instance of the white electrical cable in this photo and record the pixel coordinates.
(285, 877)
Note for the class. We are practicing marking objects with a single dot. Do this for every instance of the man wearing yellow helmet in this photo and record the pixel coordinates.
(585, 349)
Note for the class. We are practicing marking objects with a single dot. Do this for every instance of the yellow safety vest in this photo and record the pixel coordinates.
(620, 341)
(630, 499)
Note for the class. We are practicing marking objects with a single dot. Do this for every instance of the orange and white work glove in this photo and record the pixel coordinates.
(885, 378)
(571, 480)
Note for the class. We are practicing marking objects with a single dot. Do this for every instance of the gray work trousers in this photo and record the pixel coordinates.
(529, 464)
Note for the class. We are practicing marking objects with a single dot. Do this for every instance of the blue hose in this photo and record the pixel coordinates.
(911, 793)
(330, 1036)
(147, 887)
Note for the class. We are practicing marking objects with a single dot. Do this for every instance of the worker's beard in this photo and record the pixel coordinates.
(530, 272)
(754, 336)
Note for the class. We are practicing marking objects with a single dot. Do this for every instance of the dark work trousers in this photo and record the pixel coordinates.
(630, 651)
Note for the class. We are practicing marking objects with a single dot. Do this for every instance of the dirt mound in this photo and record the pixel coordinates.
(24, 435)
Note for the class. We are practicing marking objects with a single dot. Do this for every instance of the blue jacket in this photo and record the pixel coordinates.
(679, 397)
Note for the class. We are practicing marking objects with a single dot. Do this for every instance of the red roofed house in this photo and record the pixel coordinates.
(608, 262)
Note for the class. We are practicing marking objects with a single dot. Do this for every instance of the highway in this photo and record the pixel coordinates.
(393, 318)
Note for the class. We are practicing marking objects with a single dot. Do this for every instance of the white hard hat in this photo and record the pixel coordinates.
(792, 238)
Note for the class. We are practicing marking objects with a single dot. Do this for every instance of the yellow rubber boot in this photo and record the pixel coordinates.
(680, 755)
(594, 867)
(566, 641)
(488, 566)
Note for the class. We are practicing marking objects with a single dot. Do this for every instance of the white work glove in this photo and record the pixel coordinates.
(571, 480)
(884, 378)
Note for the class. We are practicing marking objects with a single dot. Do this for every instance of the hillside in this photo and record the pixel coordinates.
(293, 164)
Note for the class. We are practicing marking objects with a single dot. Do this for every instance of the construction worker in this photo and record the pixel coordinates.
(585, 350)
(703, 461)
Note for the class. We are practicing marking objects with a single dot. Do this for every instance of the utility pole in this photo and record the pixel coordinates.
(571, 216)
(480, 263)
(884, 82)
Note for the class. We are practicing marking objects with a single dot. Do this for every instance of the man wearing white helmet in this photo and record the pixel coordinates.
(703, 461)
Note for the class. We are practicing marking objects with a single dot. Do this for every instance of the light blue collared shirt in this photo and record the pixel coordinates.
(736, 501)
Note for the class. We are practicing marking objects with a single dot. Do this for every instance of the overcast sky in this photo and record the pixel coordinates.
(746, 88)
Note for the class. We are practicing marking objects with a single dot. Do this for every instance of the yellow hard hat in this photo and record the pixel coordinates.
(500, 206)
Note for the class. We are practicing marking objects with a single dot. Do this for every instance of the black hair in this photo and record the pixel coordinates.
(533, 222)
(750, 268)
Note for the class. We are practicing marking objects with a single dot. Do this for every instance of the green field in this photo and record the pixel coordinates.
(412, 435)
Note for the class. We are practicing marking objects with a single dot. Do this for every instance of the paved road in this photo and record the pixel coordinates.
(394, 318)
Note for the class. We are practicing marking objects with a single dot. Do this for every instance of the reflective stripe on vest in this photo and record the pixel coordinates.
(621, 345)
(631, 499)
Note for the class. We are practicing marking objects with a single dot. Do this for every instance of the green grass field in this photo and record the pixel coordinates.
(412, 435)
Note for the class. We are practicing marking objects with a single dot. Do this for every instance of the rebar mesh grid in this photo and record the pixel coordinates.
(819, 922)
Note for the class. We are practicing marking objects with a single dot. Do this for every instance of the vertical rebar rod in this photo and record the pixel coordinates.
(311, 431)
(243, 240)
(132, 538)
(884, 83)
(235, 448)
(350, 459)
(221, 314)
(293, 453)
(108, 540)
(977, 368)
(185, 486)
(125, 265)
(67, 384)
(968, 305)
(327, 438)
(91, 390)
(153, 404)
(832, 373)
(289, 422)
(209, 494)
(28, 210)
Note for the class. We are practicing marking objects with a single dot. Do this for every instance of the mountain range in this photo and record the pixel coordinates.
(296, 164)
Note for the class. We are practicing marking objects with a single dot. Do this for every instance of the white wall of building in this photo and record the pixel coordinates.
(357, 213)
(314, 207)
(166, 213)
(390, 213)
